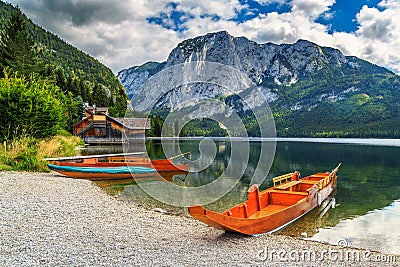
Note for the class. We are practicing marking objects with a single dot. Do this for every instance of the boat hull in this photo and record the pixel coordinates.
(272, 209)
(266, 224)
(103, 173)
(102, 176)
(163, 165)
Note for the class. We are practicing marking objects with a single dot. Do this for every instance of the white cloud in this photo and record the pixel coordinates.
(226, 9)
(126, 44)
(311, 8)
(379, 34)
(348, 43)
(391, 4)
(119, 34)
(328, 15)
(284, 28)
(375, 25)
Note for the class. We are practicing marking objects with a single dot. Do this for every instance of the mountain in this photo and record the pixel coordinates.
(313, 91)
(82, 70)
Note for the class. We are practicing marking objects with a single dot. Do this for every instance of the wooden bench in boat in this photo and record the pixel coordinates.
(283, 178)
(261, 203)
(321, 181)
(270, 209)
(289, 192)
(278, 200)
(309, 181)
(287, 185)
(317, 176)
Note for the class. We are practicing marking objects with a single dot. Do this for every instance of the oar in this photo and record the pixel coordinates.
(180, 155)
(337, 168)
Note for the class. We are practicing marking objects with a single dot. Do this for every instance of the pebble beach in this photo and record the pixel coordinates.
(50, 220)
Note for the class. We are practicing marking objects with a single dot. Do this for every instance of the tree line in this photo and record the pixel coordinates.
(39, 97)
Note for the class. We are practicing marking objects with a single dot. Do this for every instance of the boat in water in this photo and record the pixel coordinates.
(102, 173)
(114, 166)
(290, 198)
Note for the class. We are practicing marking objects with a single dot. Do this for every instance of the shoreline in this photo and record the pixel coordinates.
(50, 220)
(354, 141)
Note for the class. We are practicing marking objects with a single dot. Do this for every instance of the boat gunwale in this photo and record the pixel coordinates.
(94, 156)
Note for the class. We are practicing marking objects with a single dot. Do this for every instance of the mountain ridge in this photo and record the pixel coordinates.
(190, 50)
(304, 79)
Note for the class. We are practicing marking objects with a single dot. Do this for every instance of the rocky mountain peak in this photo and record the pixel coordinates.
(282, 64)
(266, 65)
(312, 90)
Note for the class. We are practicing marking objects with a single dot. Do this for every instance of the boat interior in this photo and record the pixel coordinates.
(287, 191)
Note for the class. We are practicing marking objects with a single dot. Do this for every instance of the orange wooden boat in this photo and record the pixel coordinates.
(101, 167)
(103, 173)
(116, 160)
(274, 208)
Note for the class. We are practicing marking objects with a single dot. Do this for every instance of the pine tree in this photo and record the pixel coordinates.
(99, 96)
(17, 46)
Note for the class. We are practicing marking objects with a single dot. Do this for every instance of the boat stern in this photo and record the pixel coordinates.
(197, 210)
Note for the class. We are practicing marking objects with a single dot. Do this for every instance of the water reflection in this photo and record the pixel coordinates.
(376, 231)
(369, 182)
(368, 191)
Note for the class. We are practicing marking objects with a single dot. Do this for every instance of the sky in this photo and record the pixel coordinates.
(122, 34)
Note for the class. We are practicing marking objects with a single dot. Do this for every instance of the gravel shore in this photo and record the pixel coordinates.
(49, 220)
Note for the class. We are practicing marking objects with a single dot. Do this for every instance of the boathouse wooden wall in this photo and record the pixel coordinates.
(103, 129)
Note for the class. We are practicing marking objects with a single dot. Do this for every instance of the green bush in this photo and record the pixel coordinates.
(30, 107)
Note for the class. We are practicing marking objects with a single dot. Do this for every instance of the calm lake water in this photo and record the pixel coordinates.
(367, 212)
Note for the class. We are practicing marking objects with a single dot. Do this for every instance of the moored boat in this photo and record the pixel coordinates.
(162, 166)
(102, 173)
(272, 209)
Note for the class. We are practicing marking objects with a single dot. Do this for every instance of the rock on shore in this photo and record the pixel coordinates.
(49, 220)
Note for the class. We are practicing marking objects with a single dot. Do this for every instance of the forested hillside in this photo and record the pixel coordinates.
(44, 83)
(74, 71)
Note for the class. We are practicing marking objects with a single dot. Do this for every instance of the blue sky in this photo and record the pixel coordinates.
(122, 34)
(344, 14)
(341, 17)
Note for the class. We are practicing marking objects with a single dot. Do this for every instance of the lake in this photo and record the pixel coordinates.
(367, 212)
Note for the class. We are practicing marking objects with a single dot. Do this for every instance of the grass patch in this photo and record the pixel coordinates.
(59, 146)
(27, 153)
(4, 167)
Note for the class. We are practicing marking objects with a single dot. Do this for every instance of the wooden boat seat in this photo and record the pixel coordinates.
(270, 209)
(287, 185)
(309, 181)
(283, 178)
(289, 192)
(317, 176)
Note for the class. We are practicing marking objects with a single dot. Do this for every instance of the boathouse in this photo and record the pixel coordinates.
(100, 128)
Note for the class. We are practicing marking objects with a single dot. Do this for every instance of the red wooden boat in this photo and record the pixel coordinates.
(274, 208)
(116, 160)
(103, 173)
(106, 162)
